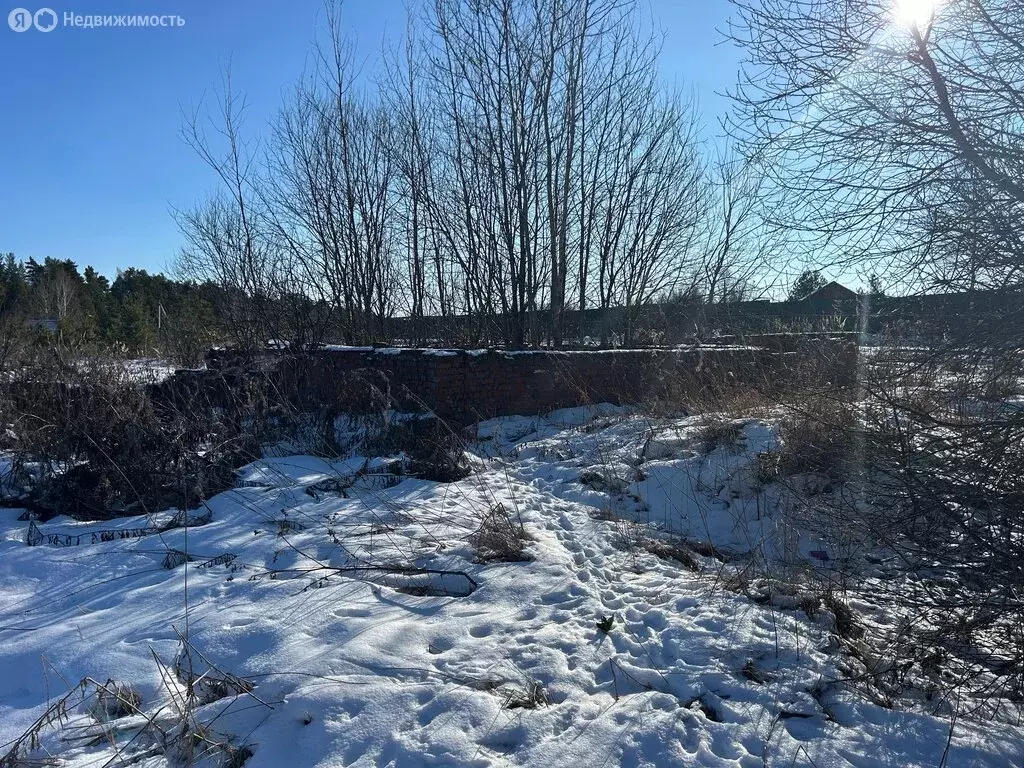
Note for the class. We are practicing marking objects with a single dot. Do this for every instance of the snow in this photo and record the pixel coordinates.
(149, 370)
(353, 668)
(589, 350)
(347, 348)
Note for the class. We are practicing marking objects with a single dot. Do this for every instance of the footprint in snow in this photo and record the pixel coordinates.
(481, 630)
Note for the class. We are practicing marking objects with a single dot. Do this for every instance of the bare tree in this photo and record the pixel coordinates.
(331, 187)
(520, 157)
(740, 251)
(413, 155)
(890, 136)
(227, 239)
(652, 223)
(571, 165)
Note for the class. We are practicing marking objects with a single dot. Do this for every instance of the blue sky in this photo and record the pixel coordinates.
(91, 159)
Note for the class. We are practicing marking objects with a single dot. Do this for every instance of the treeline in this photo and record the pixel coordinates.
(53, 304)
(513, 162)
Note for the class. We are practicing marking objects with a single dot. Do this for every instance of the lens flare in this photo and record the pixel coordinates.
(915, 13)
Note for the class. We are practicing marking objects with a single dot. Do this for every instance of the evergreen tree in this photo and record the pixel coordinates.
(809, 281)
(875, 289)
(13, 285)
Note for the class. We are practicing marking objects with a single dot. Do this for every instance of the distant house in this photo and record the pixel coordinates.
(832, 292)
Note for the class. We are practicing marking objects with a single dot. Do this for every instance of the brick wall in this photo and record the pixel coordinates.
(467, 385)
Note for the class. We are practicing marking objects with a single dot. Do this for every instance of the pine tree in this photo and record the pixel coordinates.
(809, 281)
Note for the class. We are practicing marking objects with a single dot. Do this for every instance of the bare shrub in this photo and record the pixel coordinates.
(844, 620)
(764, 370)
(818, 436)
(309, 398)
(720, 432)
(500, 537)
(744, 391)
(434, 449)
(182, 732)
(768, 467)
(95, 446)
(673, 550)
(604, 480)
(921, 479)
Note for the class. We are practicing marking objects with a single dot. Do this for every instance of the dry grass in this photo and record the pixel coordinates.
(530, 696)
(817, 437)
(720, 432)
(500, 538)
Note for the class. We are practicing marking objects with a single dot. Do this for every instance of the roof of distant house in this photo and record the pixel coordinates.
(832, 291)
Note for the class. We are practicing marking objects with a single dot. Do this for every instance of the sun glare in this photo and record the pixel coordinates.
(915, 13)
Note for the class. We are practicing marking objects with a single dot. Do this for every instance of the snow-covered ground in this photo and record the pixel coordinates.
(310, 648)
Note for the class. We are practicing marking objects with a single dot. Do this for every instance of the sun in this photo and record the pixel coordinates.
(915, 13)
